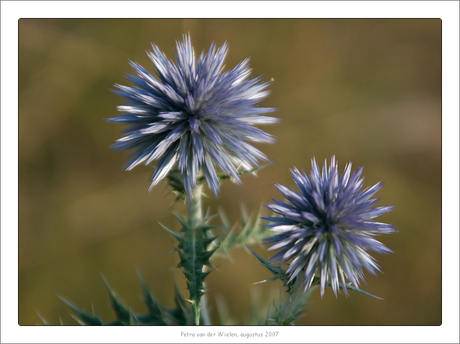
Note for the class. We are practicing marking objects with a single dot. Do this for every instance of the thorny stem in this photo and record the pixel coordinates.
(195, 220)
(193, 204)
(204, 307)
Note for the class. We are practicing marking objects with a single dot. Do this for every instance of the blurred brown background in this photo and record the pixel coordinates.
(368, 91)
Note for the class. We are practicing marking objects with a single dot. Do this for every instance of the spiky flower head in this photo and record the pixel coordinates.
(193, 116)
(327, 228)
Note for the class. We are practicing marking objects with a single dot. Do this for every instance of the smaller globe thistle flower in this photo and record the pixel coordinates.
(327, 228)
(193, 116)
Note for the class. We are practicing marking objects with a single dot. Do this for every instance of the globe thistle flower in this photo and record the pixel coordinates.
(327, 229)
(193, 116)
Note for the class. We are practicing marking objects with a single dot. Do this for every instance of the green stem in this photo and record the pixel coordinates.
(193, 204)
(194, 235)
(204, 308)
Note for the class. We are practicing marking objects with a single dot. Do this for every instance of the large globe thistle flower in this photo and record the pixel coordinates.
(327, 229)
(193, 116)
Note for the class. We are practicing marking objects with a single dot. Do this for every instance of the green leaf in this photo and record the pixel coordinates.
(43, 320)
(195, 251)
(174, 234)
(277, 271)
(82, 317)
(250, 231)
(183, 221)
(181, 315)
(155, 309)
(122, 313)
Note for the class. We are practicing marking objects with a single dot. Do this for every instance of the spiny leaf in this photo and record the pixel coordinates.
(277, 271)
(209, 240)
(251, 231)
(182, 220)
(181, 315)
(176, 183)
(77, 319)
(122, 313)
(292, 309)
(153, 306)
(194, 255)
(208, 217)
(206, 228)
(174, 234)
(182, 312)
(42, 319)
(83, 317)
(133, 320)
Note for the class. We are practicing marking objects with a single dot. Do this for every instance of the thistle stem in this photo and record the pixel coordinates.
(193, 204)
(195, 221)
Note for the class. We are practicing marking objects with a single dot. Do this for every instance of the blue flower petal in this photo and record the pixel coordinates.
(326, 229)
(209, 114)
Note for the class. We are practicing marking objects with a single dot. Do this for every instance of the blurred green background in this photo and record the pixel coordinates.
(368, 91)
